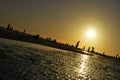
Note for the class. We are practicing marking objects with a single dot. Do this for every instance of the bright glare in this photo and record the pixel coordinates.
(91, 33)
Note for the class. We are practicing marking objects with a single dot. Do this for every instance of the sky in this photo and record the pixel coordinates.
(67, 21)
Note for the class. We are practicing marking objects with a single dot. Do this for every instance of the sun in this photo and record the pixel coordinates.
(91, 33)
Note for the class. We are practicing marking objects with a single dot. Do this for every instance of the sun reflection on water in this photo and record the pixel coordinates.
(83, 65)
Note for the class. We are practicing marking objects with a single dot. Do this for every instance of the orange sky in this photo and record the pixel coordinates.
(67, 20)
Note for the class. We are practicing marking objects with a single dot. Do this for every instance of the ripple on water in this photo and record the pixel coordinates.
(33, 63)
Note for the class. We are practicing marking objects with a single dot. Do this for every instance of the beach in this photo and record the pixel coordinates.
(27, 61)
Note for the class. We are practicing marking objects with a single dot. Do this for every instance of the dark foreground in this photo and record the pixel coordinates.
(19, 62)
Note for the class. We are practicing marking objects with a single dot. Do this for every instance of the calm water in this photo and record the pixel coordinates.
(27, 61)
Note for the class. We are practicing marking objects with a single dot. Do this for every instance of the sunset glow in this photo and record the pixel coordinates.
(92, 22)
(91, 33)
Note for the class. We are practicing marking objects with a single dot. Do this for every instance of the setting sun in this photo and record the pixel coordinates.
(91, 33)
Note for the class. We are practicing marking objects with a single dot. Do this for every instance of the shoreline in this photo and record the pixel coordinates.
(22, 36)
(10, 33)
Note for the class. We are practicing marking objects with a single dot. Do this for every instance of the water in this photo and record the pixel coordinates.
(27, 61)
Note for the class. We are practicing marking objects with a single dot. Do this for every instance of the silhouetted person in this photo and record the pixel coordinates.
(84, 48)
(103, 53)
(8, 27)
(72, 46)
(116, 56)
(77, 44)
(24, 31)
(54, 40)
(92, 49)
(88, 49)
